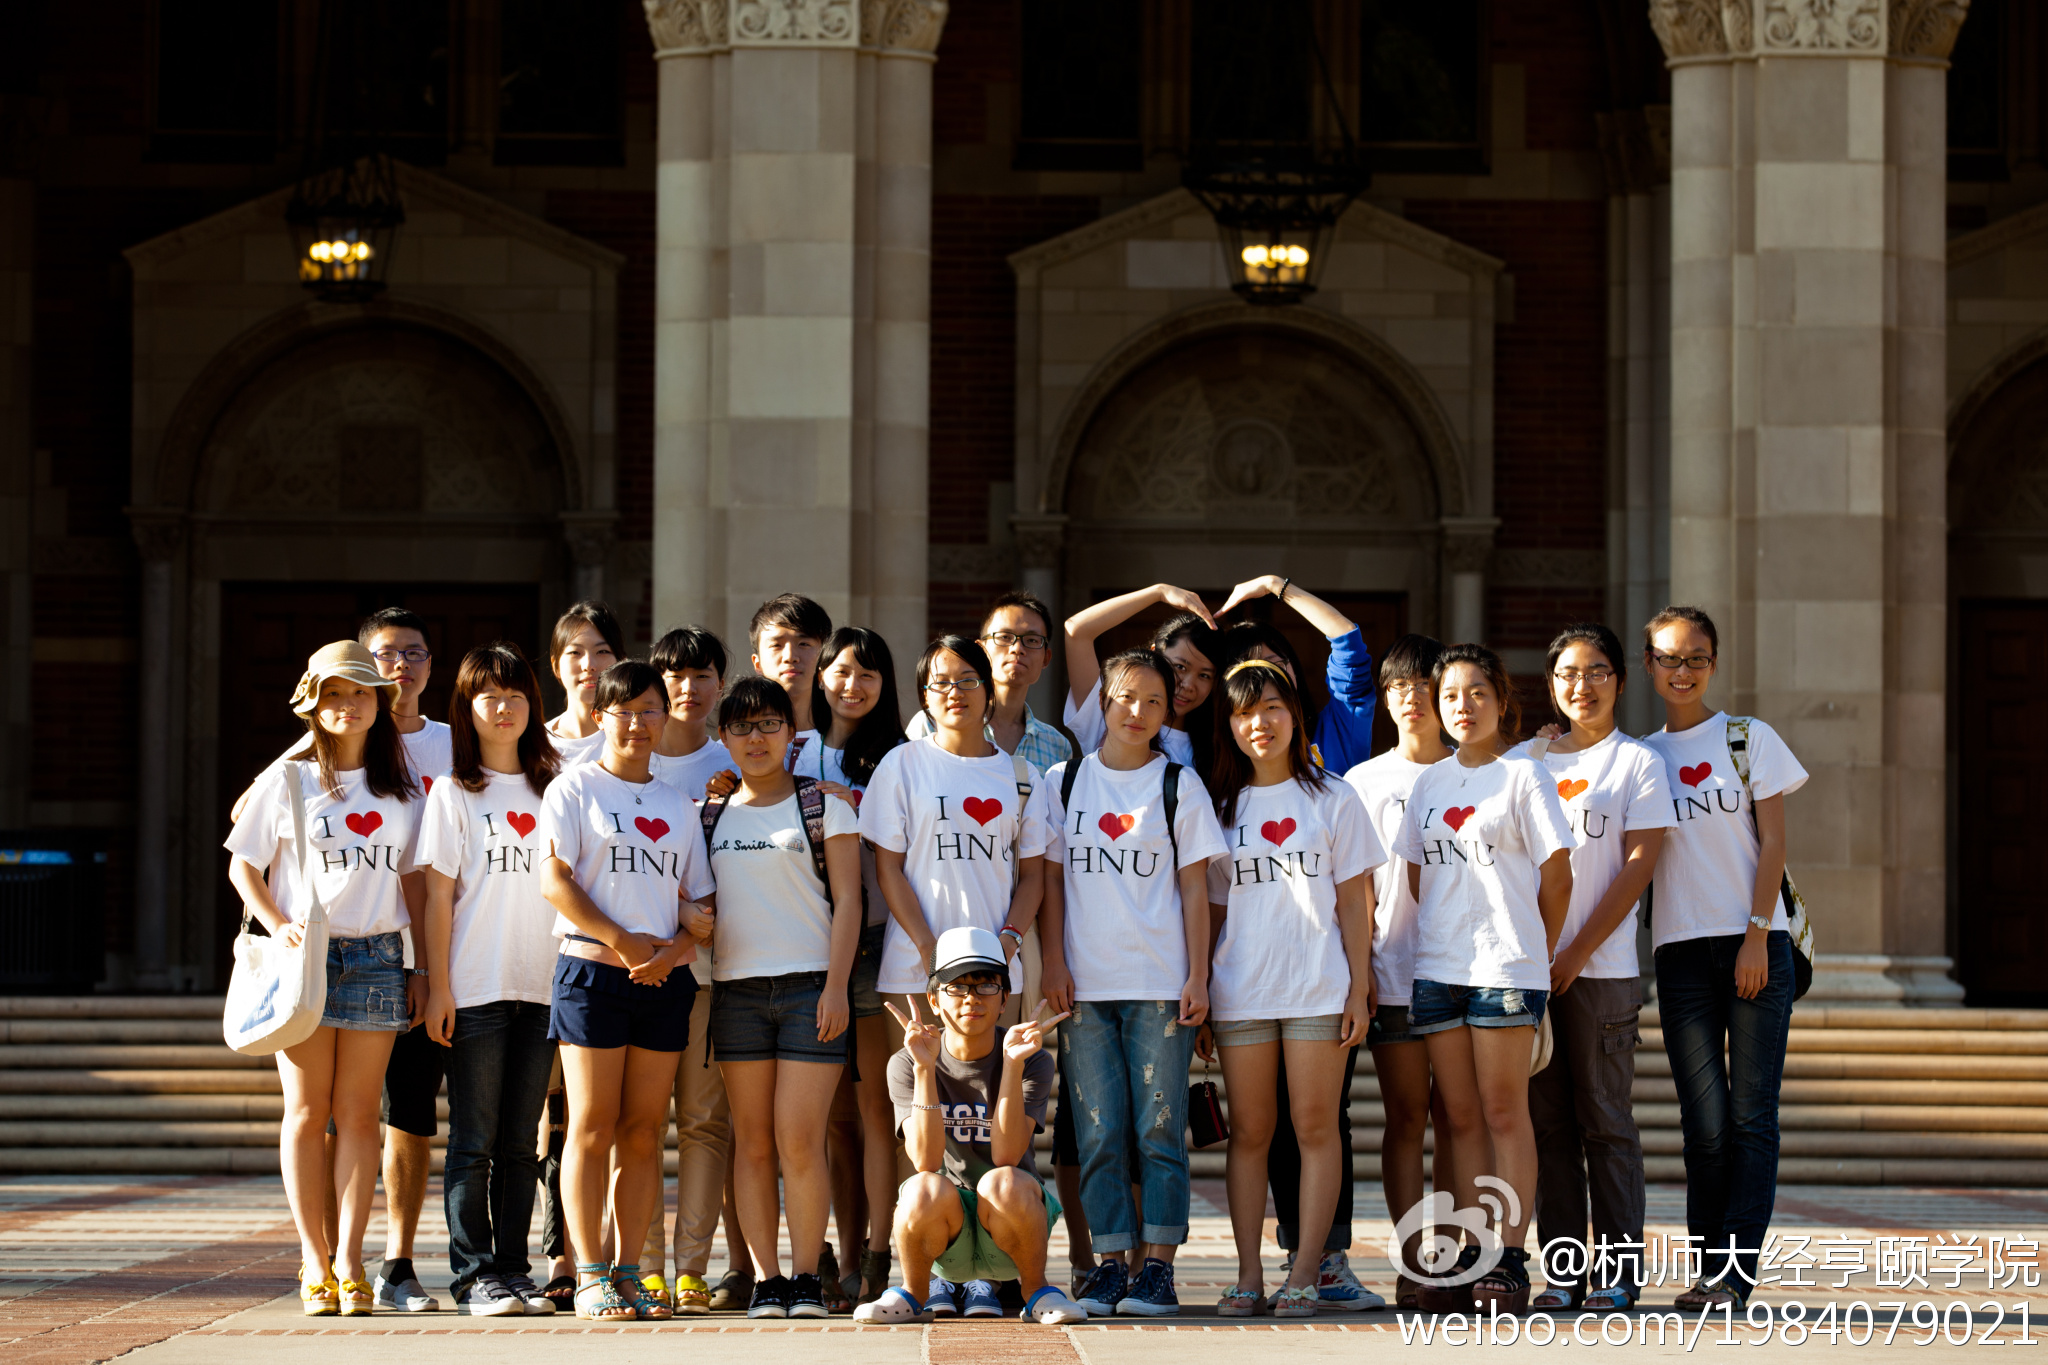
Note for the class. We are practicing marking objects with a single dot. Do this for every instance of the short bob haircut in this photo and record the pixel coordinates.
(1487, 662)
(971, 654)
(499, 665)
(1242, 688)
(1691, 616)
(754, 696)
(688, 647)
(627, 680)
(594, 614)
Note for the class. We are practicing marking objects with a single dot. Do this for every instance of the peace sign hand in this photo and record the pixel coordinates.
(920, 1040)
(1028, 1037)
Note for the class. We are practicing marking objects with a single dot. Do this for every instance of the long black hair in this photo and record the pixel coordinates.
(1200, 723)
(1239, 638)
(1242, 687)
(501, 664)
(881, 729)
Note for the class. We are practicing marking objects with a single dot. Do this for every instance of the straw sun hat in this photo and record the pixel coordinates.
(343, 659)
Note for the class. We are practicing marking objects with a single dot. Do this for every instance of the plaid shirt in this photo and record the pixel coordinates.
(1042, 746)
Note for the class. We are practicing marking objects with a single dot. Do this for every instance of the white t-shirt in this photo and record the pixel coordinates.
(960, 826)
(689, 772)
(1384, 783)
(1706, 875)
(1480, 835)
(357, 848)
(1091, 728)
(588, 749)
(1281, 955)
(1125, 935)
(501, 945)
(1614, 787)
(773, 916)
(429, 752)
(636, 848)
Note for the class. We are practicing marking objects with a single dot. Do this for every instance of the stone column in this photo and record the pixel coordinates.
(1467, 546)
(589, 536)
(792, 322)
(17, 482)
(160, 535)
(1041, 543)
(1807, 446)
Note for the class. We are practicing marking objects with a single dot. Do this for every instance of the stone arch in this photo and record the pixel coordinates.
(174, 476)
(1371, 360)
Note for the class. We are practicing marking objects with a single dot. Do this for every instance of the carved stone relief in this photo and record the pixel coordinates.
(1926, 28)
(795, 21)
(1688, 28)
(386, 422)
(1250, 432)
(902, 25)
(1821, 26)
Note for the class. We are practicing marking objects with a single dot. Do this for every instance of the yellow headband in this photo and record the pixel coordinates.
(1242, 664)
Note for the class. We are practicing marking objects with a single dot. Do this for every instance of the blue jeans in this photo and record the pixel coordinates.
(497, 1086)
(1728, 1110)
(1124, 1072)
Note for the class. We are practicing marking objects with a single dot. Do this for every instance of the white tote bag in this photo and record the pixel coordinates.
(279, 992)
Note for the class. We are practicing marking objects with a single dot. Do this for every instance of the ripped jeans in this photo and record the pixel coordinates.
(1124, 1071)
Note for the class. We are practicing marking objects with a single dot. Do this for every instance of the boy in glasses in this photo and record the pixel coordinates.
(1017, 635)
(969, 1099)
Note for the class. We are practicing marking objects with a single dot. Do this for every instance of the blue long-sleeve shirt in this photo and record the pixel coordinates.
(1343, 736)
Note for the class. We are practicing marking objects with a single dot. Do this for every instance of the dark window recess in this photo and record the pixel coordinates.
(558, 85)
(1422, 92)
(1251, 75)
(1082, 82)
(215, 82)
(1976, 96)
(387, 79)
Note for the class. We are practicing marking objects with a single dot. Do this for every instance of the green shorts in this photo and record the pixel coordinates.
(974, 1255)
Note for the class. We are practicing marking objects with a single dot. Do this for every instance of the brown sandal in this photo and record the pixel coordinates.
(1505, 1288)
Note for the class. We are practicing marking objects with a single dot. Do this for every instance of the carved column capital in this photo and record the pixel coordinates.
(1835, 28)
(159, 531)
(1040, 540)
(1689, 28)
(685, 27)
(1926, 28)
(589, 536)
(902, 27)
(794, 23)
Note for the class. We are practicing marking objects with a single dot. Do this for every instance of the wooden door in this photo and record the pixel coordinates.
(2002, 914)
(268, 630)
(1382, 617)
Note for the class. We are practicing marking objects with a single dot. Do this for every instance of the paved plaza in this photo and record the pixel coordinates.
(200, 1269)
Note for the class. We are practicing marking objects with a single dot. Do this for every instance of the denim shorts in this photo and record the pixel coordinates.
(861, 995)
(1314, 1028)
(1434, 1007)
(599, 1005)
(771, 1019)
(366, 984)
(1389, 1026)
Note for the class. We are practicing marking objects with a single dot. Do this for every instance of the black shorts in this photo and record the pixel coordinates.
(412, 1081)
(597, 1005)
(1390, 1025)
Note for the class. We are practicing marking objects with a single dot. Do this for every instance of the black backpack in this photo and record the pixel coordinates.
(809, 801)
(1169, 797)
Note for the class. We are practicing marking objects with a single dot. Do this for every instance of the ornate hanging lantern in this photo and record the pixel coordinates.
(343, 221)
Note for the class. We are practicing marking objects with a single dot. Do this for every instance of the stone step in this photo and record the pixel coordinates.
(1943, 1042)
(128, 1030)
(1899, 1020)
(127, 1056)
(1884, 1066)
(105, 1108)
(113, 1007)
(195, 1081)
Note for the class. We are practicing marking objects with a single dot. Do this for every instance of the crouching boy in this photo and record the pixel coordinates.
(968, 1103)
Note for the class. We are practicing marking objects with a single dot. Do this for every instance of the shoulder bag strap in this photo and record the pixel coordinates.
(810, 802)
(1067, 781)
(708, 816)
(314, 909)
(1171, 798)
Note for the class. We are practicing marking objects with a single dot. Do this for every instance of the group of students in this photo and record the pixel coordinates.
(915, 936)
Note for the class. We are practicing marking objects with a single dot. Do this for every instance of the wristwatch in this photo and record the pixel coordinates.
(1760, 922)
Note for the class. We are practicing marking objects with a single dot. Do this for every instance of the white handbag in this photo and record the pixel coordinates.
(279, 991)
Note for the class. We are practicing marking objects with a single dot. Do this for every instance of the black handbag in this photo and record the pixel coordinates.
(1207, 1123)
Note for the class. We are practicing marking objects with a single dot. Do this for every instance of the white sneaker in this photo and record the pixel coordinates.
(893, 1307)
(487, 1297)
(1052, 1307)
(1338, 1290)
(528, 1293)
(405, 1296)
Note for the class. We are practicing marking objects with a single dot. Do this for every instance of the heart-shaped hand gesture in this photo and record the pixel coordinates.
(1029, 1037)
(920, 1040)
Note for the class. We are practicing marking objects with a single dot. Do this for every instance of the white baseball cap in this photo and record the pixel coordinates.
(965, 951)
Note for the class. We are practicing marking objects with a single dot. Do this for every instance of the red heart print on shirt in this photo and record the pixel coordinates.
(653, 829)
(1456, 817)
(981, 811)
(1116, 826)
(1571, 787)
(520, 821)
(1692, 777)
(363, 826)
(1276, 831)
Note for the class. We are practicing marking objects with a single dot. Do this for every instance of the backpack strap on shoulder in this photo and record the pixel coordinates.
(1170, 798)
(708, 814)
(810, 802)
(1738, 746)
(1067, 781)
(1021, 768)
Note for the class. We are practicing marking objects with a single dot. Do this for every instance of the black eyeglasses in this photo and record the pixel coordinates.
(770, 725)
(1698, 663)
(415, 655)
(1003, 639)
(960, 990)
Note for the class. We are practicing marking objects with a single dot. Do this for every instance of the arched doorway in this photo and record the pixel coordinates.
(1998, 591)
(1260, 449)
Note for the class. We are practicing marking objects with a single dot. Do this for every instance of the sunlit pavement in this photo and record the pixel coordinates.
(201, 1269)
